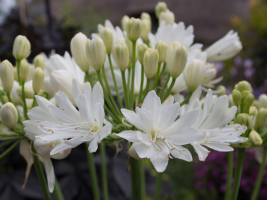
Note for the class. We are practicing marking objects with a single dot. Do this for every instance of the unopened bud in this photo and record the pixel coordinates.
(96, 53)
(253, 110)
(144, 16)
(29, 94)
(221, 89)
(133, 29)
(146, 29)
(263, 101)
(236, 97)
(151, 58)
(255, 138)
(243, 86)
(77, 47)
(248, 100)
(121, 56)
(9, 115)
(107, 37)
(38, 79)
(168, 17)
(21, 48)
(231, 102)
(160, 7)
(261, 117)
(124, 22)
(7, 75)
(176, 59)
(141, 49)
(162, 48)
(39, 61)
(61, 80)
(241, 119)
(24, 70)
(194, 74)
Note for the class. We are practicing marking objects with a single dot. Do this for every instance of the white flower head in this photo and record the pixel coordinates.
(225, 48)
(159, 136)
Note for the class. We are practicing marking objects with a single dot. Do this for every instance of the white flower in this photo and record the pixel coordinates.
(158, 134)
(176, 32)
(212, 122)
(225, 48)
(137, 78)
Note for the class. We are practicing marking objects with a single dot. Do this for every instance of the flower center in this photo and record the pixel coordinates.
(95, 129)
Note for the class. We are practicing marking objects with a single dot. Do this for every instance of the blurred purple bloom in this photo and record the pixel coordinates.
(238, 61)
(248, 63)
(219, 66)
(249, 72)
(233, 71)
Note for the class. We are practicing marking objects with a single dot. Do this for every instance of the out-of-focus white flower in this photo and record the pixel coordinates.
(263, 101)
(212, 122)
(124, 21)
(225, 48)
(137, 78)
(160, 7)
(15, 97)
(107, 36)
(167, 16)
(209, 79)
(160, 136)
(39, 61)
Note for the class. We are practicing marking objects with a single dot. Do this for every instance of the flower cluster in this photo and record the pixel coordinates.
(126, 84)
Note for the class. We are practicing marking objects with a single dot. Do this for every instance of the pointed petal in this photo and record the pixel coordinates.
(50, 174)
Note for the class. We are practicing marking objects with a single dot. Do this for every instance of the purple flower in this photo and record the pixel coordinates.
(248, 63)
(238, 61)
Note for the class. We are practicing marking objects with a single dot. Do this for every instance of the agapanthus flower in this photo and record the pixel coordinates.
(158, 136)
(213, 122)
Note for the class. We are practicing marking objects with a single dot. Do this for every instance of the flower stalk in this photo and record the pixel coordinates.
(104, 171)
(136, 179)
(165, 85)
(57, 191)
(156, 77)
(168, 91)
(141, 85)
(158, 187)
(25, 109)
(230, 160)
(125, 89)
(133, 74)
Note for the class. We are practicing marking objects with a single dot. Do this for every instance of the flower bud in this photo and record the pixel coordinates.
(146, 29)
(38, 79)
(248, 100)
(7, 75)
(141, 49)
(29, 94)
(61, 80)
(107, 37)
(176, 59)
(9, 115)
(39, 61)
(255, 138)
(146, 16)
(151, 59)
(243, 86)
(231, 102)
(21, 48)
(221, 89)
(167, 16)
(194, 74)
(133, 29)
(96, 53)
(121, 56)
(24, 70)
(162, 49)
(236, 97)
(160, 7)
(261, 117)
(77, 47)
(124, 22)
(253, 110)
(263, 101)
(241, 119)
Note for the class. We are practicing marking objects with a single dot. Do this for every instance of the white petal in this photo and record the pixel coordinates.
(68, 144)
(167, 116)
(145, 151)
(160, 160)
(131, 136)
(97, 94)
(105, 131)
(50, 174)
(201, 151)
(93, 145)
(185, 136)
(182, 153)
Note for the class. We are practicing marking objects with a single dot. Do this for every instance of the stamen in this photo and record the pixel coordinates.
(41, 125)
(231, 134)
(50, 130)
(236, 128)
(173, 148)
(38, 121)
(77, 128)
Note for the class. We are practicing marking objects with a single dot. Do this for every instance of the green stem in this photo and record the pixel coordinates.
(10, 148)
(114, 80)
(125, 90)
(9, 97)
(238, 172)
(106, 97)
(168, 91)
(57, 191)
(156, 77)
(186, 99)
(104, 170)
(40, 175)
(129, 79)
(112, 122)
(147, 88)
(89, 79)
(164, 86)
(136, 179)
(143, 179)
(2, 99)
(230, 160)
(158, 187)
(109, 92)
(6, 143)
(115, 118)
(18, 69)
(132, 80)
(34, 103)
(25, 109)
(141, 85)
(92, 170)
(260, 176)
